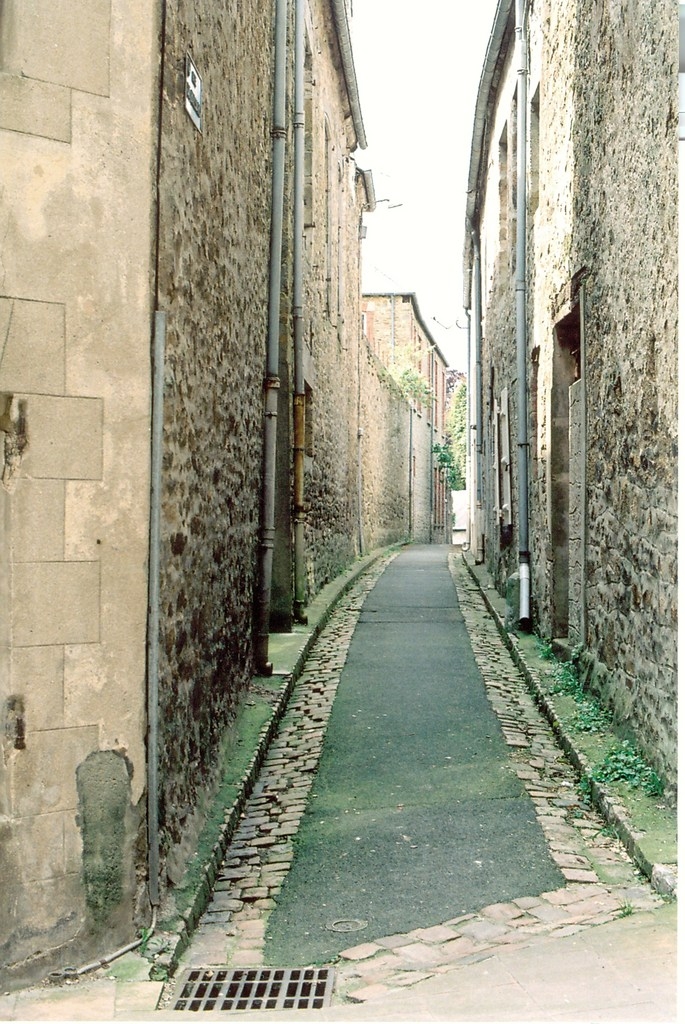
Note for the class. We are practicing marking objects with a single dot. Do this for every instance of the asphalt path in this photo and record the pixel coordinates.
(415, 816)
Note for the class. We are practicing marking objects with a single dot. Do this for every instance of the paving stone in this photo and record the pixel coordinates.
(526, 902)
(360, 952)
(246, 958)
(571, 860)
(439, 933)
(370, 992)
(484, 931)
(252, 929)
(502, 911)
(456, 921)
(416, 953)
(579, 875)
(379, 966)
(392, 941)
(550, 914)
(408, 978)
(456, 949)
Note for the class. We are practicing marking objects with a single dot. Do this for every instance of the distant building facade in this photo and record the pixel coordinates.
(571, 264)
(398, 337)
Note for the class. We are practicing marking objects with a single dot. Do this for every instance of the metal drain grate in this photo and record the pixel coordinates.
(263, 988)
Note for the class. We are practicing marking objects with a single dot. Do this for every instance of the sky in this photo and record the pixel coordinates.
(418, 67)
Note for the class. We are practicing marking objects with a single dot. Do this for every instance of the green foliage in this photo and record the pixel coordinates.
(624, 763)
(565, 679)
(445, 459)
(544, 647)
(414, 385)
(457, 430)
(590, 716)
(410, 380)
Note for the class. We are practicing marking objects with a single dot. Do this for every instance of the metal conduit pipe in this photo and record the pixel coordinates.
(272, 380)
(156, 454)
(521, 314)
(299, 402)
(467, 543)
(478, 318)
(157, 441)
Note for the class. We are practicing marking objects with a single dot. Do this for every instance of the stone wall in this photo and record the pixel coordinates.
(76, 138)
(384, 448)
(398, 337)
(215, 194)
(602, 345)
(625, 208)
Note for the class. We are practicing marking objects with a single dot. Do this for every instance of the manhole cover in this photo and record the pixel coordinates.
(266, 988)
(346, 924)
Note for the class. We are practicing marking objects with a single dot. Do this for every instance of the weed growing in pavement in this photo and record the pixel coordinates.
(591, 716)
(626, 910)
(565, 678)
(544, 647)
(625, 763)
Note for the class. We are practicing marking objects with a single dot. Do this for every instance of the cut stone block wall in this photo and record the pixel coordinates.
(76, 172)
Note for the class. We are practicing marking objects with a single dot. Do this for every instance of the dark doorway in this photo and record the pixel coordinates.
(566, 372)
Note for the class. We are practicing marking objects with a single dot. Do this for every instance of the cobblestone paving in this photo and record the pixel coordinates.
(602, 882)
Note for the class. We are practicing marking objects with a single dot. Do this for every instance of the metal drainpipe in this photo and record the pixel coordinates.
(156, 454)
(411, 470)
(467, 543)
(521, 327)
(431, 460)
(299, 401)
(272, 380)
(478, 317)
(153, 606)
(360, 442)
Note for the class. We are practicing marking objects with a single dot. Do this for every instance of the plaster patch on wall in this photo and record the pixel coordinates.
(14, 426)
(104, 792)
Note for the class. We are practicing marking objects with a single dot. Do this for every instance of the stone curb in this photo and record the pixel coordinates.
(177, 941)
(663, 877)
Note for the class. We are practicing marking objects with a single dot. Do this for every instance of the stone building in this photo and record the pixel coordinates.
(398, 337)
(570, 264)
(152, 527)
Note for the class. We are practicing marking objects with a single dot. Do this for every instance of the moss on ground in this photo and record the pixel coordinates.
(237, 754)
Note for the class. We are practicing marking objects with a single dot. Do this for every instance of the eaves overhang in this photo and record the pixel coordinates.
(495, 57)
(342, 29)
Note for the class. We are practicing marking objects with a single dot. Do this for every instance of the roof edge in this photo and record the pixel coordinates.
(417, 314)
(342, 28)
(485, 101)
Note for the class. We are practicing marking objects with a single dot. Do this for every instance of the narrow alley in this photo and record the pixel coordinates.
(415, 834)
(414, 812)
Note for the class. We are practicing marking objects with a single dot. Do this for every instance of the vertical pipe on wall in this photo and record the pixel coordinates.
(431, 461)
(521, 327)
(478, 318)
(156, 456)
(272, 380)
(469, 496)
(299, 400)
(411, 470)
(157, 433)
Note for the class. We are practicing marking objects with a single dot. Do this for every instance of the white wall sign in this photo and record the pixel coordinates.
(193, 93)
